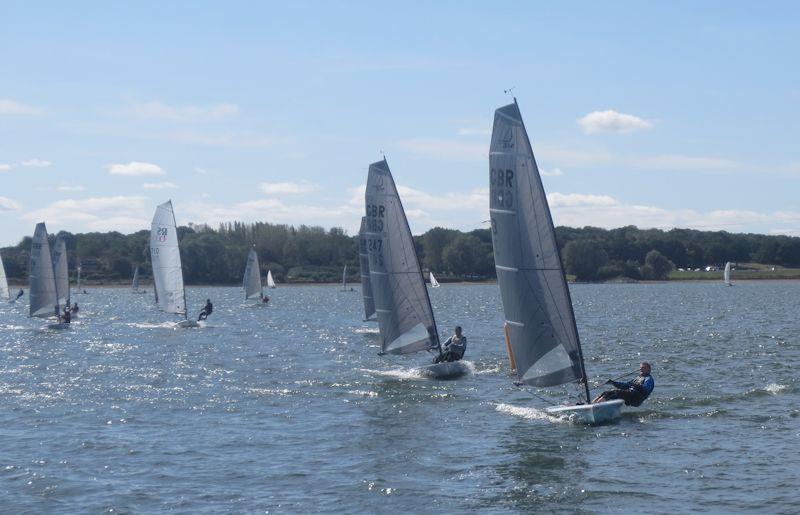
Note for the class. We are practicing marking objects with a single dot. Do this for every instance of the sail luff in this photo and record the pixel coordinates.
(536, 299)
(4, 291)
(405, 316)
(42, 280)
(363, 261)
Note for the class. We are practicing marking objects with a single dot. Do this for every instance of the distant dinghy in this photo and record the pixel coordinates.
(43, 296)
(251, 282)
(5, 294)
(405, 316)
(434, 282)
(135, 283)
(541, 332)
(61, 271)
(363, 262)
(78, 289)
(344, 278)
(727, 274)
(165, 256)
(270, 280)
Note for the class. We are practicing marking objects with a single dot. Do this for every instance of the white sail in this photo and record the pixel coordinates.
(252, 277)
(405, 316)
(4, 292)
(165, 256)
(536, 301)
(434, 282)
(79, 277)
(61, 271)
(135, 282)
(42, 280)
(270, 280)
(344, 278)
(728, 273)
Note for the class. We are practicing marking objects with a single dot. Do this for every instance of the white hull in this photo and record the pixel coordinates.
(447, 370)
(185, 324)
(592, 414)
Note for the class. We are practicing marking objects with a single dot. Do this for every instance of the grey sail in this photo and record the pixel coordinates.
(61, 271)
(252, 277)
(4, 292)
(166, 258)
(405, 317)
(363, 260)
(135, 282)
(42, 280)
(536, 300)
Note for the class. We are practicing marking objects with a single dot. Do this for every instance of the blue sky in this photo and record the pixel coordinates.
(680, 114)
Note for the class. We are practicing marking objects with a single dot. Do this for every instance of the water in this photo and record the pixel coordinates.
(288, 408)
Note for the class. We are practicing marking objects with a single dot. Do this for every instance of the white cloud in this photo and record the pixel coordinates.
(96, 213)
(14, 108)
(553, 172)
(5, 167)
(578, 199)
(612, 121)
(159, 111)
(75, 187)
(135, 168)
(7, 204)
(287, 188)
(471, 131)
(159, 185)
(201, 171)
(36, 163)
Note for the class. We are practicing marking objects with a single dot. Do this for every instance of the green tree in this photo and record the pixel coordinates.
(583, 258)
(657, 266)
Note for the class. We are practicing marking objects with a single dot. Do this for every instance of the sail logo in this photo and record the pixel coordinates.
(507, 138)
(161, 234)
(379, 185)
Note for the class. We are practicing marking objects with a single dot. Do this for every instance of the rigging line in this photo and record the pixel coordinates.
(520, 385)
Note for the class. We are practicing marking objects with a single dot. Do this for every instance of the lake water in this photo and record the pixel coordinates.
(288, 408)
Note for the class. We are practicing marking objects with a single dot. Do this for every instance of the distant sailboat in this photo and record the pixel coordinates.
(5, 294)
(135, 282)
(344, 278)
(363, 261)
(43, 296)
(434, 282)
(405, 316)
(727, 274)
(78, 289)
(165, 256)
(251, 282)
(541, 332)
(270, 280)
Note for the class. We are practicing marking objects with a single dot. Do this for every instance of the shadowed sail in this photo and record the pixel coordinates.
(405, 317)
(42, 280)
(4, 293)
(61, 271)
(536, 301)
(252, 277)
(166, 258)
(135, 282)
(363, 260)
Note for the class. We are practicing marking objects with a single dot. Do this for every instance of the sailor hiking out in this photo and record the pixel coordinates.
(634, 392)
(454, 348)
(207, 309)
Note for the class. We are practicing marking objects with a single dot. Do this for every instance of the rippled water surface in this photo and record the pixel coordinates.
(288, 408)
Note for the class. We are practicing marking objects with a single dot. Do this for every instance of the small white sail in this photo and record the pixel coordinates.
(42, 280)
(166, 258)
(4, 293)
(252, 277)
(344, 278)
(135, 282)
(61, 271)
(434, 282)
(270, 280)
(728, 273)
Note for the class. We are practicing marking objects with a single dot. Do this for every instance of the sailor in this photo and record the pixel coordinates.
(632, 392)
(65, 317)
(20, 293)
(75, 307)
(454, 348)
(207, 309)
(264, 298)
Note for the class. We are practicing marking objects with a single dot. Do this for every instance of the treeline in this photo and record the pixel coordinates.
(313, 254)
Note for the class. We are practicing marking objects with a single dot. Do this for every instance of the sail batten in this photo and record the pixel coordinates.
(405, 316)
(42, 281)
(252, 277)
(536, 300)
(166, 259)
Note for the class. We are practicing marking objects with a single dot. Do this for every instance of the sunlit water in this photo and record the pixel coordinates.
(288, 408)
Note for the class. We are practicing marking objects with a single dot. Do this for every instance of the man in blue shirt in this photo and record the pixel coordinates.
(633, 392)
(454, 347)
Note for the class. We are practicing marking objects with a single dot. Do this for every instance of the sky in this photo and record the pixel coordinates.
(671, 114)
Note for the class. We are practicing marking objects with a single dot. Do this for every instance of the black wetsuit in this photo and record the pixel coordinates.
(634, 393)
(207, 309)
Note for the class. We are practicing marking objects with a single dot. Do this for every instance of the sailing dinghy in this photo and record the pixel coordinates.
(344, 278)
(405, 316)
(251, 282)
(363, 261)
(43, 296)
(135, 282)
(727, 274)
(165, 256)
(270, 280)
(434, 282)
(5, 294)
(541, 332)
(78, 289)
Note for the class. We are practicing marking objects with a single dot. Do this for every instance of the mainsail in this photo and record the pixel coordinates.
(135, 282)
(42, 281)
(434, 282)
(536, 300)
(728, 273)
(401, 299)
(363, 260)
(61, 271)
(4, 293)
(270, 280)
(252, 277)
(166, 258)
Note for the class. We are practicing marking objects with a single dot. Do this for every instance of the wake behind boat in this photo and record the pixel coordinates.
(541, 333)
(405, 315)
